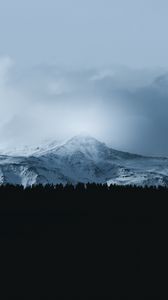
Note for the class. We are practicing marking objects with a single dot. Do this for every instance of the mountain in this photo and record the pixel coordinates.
(81, 159)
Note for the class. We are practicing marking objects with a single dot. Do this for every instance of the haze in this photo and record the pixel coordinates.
(98, 66)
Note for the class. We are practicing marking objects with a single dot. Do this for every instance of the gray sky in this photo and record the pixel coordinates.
(99, 66)
(85, 32)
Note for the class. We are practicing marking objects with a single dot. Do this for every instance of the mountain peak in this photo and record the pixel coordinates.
(82, 159)
(83, 139)
(85, 144)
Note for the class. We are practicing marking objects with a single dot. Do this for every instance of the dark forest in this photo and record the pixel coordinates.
(83, 241)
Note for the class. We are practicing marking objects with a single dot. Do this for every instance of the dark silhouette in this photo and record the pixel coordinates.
(82, 240)
(42, 208)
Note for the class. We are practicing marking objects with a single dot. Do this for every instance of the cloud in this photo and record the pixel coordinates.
(124, 107)
(5, 64)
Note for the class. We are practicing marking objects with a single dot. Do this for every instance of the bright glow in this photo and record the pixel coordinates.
(83, 121)
(68, 121)
(54, 103)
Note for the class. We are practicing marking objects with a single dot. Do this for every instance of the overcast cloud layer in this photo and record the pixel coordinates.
(61, 72)
(126, 108)
(85, 32)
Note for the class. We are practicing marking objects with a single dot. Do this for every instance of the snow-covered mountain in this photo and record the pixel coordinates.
(81, 159)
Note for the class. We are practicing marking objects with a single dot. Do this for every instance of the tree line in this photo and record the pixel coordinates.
(81, 187)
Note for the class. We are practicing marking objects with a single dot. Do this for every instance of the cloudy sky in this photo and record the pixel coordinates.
(99, 66)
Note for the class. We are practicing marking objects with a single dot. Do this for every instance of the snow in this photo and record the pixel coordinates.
(80, 159)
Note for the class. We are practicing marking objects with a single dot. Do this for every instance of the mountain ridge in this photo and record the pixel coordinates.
(82, 159)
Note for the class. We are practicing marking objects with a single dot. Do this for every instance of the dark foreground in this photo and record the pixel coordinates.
(83, 242)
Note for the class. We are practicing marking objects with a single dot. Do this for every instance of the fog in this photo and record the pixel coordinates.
(94, 66)
(124, 107)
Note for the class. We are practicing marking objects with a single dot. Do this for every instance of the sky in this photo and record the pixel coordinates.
(99, 66)
(85, 32)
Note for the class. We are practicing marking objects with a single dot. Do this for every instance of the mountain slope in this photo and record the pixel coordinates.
(82, 159)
